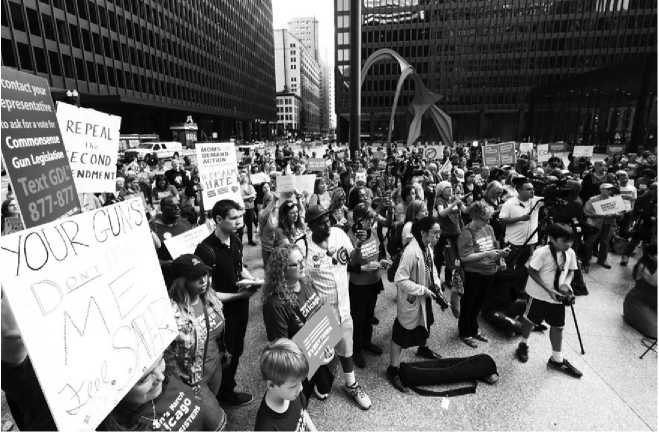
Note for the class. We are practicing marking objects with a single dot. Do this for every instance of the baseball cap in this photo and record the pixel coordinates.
(441, 186)
(316, 212)
(189, 266)
(606, 185)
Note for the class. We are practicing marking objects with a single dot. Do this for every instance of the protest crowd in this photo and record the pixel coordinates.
(455, 231)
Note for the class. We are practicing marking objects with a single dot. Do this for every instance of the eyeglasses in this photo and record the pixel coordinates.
(299, 264)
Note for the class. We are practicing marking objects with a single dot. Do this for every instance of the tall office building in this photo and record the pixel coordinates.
(578, 70)
(297, 77)
(152, 62)
(306, 30)
(325, 86)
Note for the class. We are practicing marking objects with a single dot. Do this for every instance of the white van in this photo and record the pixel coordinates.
(163, 149)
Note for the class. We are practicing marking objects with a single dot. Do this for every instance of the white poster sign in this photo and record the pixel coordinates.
(91, 139)
(525, 147)
(582, 151)
(610, 206)
(91, 304)
(543, 152)
(360, 176)
(187, 242)
(259, 178)
(598, 157)
(290, 183)
(218, 172)
(433, 152)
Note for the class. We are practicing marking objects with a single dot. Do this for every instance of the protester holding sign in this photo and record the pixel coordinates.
(289, 300)
(601, 228)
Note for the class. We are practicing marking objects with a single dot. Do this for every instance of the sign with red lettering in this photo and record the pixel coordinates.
(33, 151)
(91, 304)
(91, 139)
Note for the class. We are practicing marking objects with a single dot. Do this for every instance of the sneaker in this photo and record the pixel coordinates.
(358, 395)
(604, 265)
(393, 376)
(375, 350)
(358, 359)
(564, 367)
(540, 328)
(522, 352)
(319, 395)
(425, 352)
(233, 398)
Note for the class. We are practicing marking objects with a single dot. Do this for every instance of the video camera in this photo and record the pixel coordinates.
(555, 192)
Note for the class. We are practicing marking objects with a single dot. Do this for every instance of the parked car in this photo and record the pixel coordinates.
(162, 149)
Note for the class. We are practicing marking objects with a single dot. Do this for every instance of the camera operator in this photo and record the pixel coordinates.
(520, 215)
(599, 228)
(568, 209)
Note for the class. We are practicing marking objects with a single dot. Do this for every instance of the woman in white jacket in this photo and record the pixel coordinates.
(415, 277)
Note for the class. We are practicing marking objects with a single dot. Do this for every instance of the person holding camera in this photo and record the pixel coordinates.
(480, 255)
(551, 269)
(417, 281)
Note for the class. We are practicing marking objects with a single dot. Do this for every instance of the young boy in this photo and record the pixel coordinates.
(551, 268)
(283, 408)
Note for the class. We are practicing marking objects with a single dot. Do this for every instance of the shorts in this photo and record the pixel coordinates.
(538, 310)
(344, 347)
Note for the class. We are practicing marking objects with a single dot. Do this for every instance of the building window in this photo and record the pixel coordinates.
(24, 56)
(293, 67)
(54, 63)
(17, 16)
(342, 5)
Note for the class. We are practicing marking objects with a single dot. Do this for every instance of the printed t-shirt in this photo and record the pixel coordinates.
(215, 327)
(283, 320)
(328, 270)
(291, 420)
(543, 262)
(477, 241)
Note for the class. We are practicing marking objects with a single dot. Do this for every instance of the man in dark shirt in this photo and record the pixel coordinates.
(223, 251)
(177, 176)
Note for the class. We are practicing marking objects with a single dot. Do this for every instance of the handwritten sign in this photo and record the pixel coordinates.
(610, 206)
(91, 139)
(218, 173)
(187, 242)
(316, 164)
(582, 151)
(33, 151)
(322, 330)
(91, 304)
(290, 183)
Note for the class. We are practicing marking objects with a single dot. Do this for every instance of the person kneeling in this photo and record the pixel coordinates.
(551, 268)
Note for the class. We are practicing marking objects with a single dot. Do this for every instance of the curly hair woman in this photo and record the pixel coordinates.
(288, 302)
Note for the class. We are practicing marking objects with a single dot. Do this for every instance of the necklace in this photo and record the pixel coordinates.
(156, 424)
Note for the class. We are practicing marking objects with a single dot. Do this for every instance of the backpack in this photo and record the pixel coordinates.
(447, 371)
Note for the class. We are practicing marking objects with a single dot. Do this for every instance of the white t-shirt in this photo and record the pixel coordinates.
(328, 270)
(544, 263)
(519, 232)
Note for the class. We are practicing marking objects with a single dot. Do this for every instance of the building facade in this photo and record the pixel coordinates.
(152, 62)
(289, 107)
(297, 72)
(306, 30)
(495, 63)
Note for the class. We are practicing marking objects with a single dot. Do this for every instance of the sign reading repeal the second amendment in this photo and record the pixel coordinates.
(90, 301)
(33, 151)
(218, 172)
(91, 139)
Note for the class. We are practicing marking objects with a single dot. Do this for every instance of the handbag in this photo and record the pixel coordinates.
(447, 371)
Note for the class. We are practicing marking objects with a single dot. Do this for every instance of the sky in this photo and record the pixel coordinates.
(323, 10)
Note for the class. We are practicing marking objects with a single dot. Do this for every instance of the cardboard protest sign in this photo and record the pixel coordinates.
(610, 206)
(525, 147)
(507, 153)
(33, 151)
(290, 183)
(258, 178)
(613, 149)
(316, 164)
(91, 139)
(582, 151)
(187, 242)
(491, 155)
(90, 301)
(322, 330)
(218, 172)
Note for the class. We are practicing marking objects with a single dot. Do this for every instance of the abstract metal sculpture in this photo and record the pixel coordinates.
(424, 99)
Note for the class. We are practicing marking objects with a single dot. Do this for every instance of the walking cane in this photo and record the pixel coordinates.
(574, 316)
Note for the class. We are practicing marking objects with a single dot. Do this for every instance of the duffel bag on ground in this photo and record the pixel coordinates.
(447, 371)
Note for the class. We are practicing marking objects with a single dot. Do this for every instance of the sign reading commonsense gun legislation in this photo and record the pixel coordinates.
(33, 151)
(218, 173)
(322, 330)
(91, 304)
(91, 139)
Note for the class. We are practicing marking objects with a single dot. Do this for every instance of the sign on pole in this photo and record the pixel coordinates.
(33, 151)
(90, 301)
(218, 173)
(91, 139)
